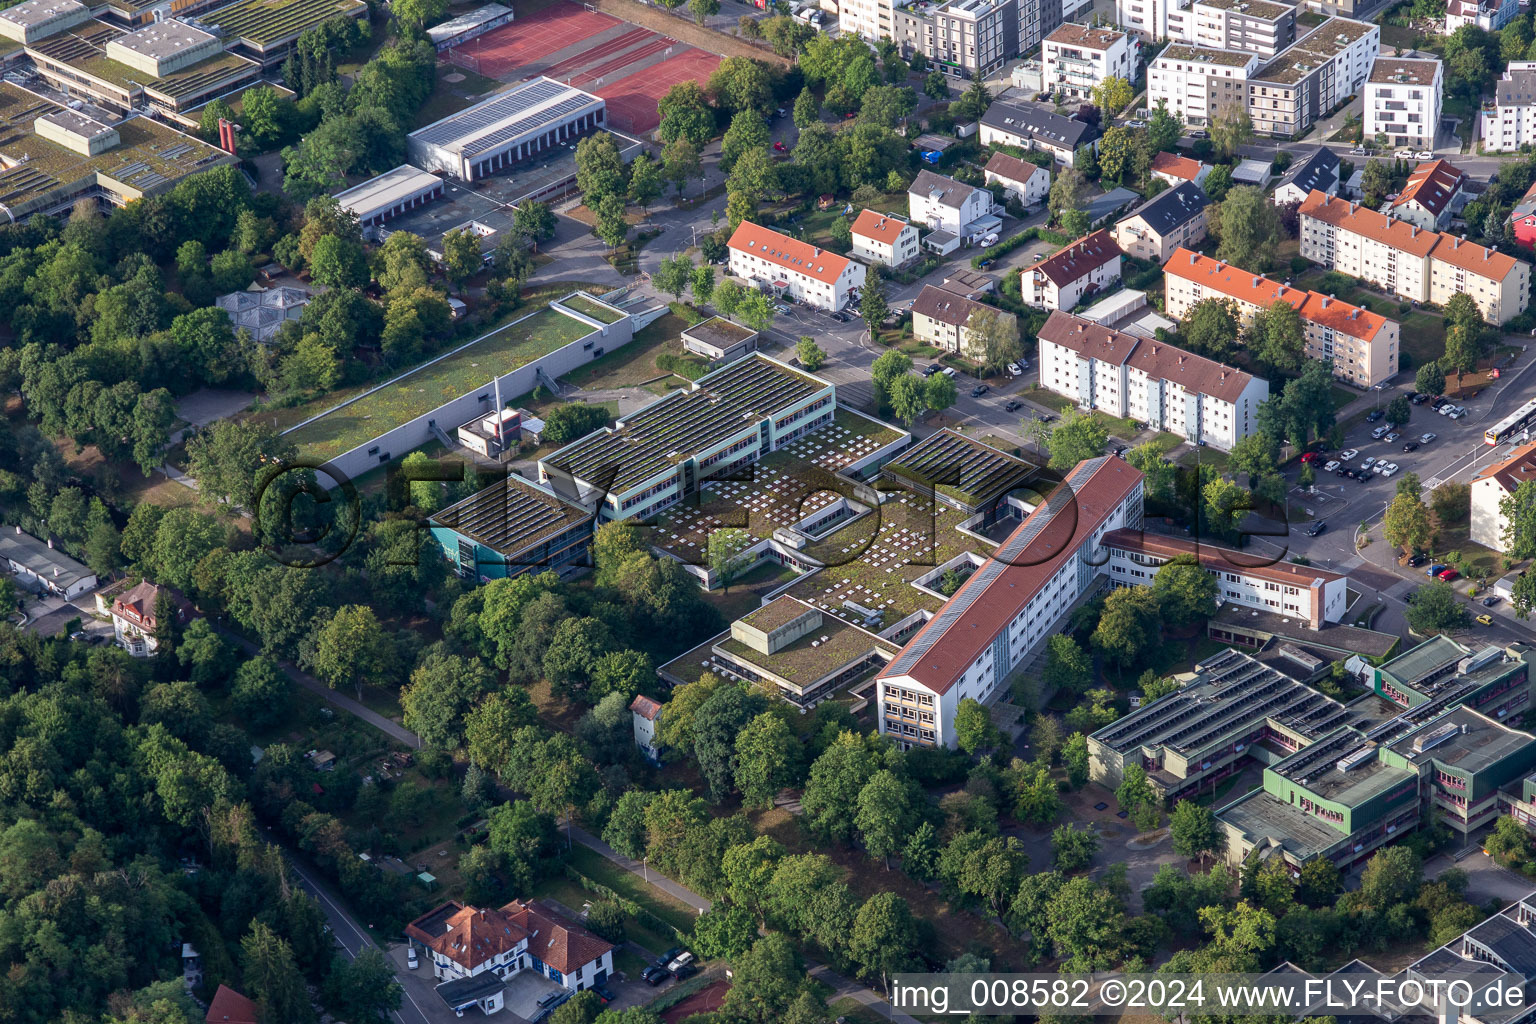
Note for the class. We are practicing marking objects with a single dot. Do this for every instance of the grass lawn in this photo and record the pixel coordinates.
(1166, 441)
(598, 868)
(1050, 399)
(452, 97)
(1342, 396)
(1205, 457)
(632, 364)
(853, 1010)
(1117, 427)
(595, 310)
(428, 387)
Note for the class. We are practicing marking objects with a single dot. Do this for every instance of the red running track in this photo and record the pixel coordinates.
(632, 100)
(528, 39)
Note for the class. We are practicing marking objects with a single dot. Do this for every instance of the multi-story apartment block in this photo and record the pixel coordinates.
(1488, 15)
(1509, 122)
(1204, 401)
(1197, 83)
(1402, 101)
(1491, 485)
(1032, 128)
(1362, 347)
(884, 238)
(997, 619)
(943, 204)
(964, 38)
(942, 317)
(1312, 595)
(1027, 182)
(1429, 198)
(1067, 277)
(1406, 260)
(1077, 58)
(1173, 218)
(1309, 78)
(788, 266)
(1251, 26)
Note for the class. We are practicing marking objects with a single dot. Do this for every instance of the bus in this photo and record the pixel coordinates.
(1516, 422)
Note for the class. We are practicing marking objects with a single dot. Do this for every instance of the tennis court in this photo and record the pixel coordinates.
(528, 40)
(633, 99)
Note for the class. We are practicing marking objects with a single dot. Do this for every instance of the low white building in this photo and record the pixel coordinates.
(1027, 182)
(1402, 101)
(1077, 58)
(1490, 487)
(647, 717)
(40, 567)
(1077, 271)
(1150, 381)
(945, 205)
(788, 266)
(1317, 171)
(884, 238)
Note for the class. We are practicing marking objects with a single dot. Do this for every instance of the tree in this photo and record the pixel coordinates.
(1524, 595)
(1434, 609)
(1075, 439)
(1406, 523)
(885, 937)
(1231, 129)
(1067, 666)
(885, 815)
(645, 180)
(1429, 379)
(680, 162)
(442, 690)
(1074, 758)
(1211, 327)
(1072, 849)
(1117, 153)
(1257, 455)
(1135, 794)
(810, 355)
(535, 221)
(872, 304)
(1067, 193)
(992, 337)
(1249, 228)
(227, 459)
(672, 275)
(1194, 829)
(362, 989)
(351, 647)
(1278, 337)
(1465, 333)
(974, 730)
(830, 798)
(1392, 876)
(755, 310)
(724, 555)
(725, 931)
(272, 976)
(939, 392)
(807, 110)
(1113, 95)
(260, 693)
(1375, 183)
(906, 399)
(1518, 510)
(1163, 129)
(1185, 592)
(461, 256)
(611, 226)
(1399, 410)
(1452, 503)
(338, 263)
(767, 759)
(1127, 626)
(599, 169)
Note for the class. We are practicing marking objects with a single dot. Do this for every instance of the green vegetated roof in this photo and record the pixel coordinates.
(596, 310)
(266, 21)
(426, 388)
(195, 78)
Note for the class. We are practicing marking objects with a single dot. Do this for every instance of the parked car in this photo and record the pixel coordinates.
(1392, 437)
(603, 993)
(411, 959)
(781, 309)
(1418, 560)
(1458, 412)
(1404, 153)
(840, 317)
(1419, 399)
(979, 390)
(1317, 528)
(778, 147)
(1045, 417)
(1411, 446)
(1307, 457)
(1485, 619)
(1435, 569)
(984, 264)
(1380, 432)
(1013, 406)
(1391, 468)
(1347, 454)
(1425, 154)
(1426, 438)
(1014, 369)
(1330, 466)
(1491, 600)
(1374, 415)
(1199, 133)
(1135, 122)
(1367, 462)
(684, 972)
(684, 959)
(1341, 471)
(1357, 151)
(949, 371)
(654, 976)
(1446, 409)
(1447, 574)
(931, 369)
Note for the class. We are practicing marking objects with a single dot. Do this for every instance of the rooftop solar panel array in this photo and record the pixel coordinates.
(952, 460)
(510, 516)
(462, 128)
(666, 431)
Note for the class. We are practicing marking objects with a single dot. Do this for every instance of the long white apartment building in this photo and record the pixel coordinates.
(1362, 346)
(1252, 26)
(1076, 58)
(1410, 262)
(964, 38)
(1199, 399)
(1312, 595)
(997, 619)
(1312, 76)
(1197, 82)
(788, 266)
(1403, 100)
(1510, 121)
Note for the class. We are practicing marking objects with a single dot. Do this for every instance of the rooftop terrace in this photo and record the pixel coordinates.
(1205, 55)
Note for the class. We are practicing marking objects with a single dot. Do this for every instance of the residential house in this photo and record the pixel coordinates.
(646, 714)
(1488, 15)
(1173, 218)
(787, 266)
(475, 951)
(1362, 347)
(1176, 170)
(136, 617)
(1522, 219)
(230, 1007)
(1072, 274)
(1004, 610)
(1077, 58)
(1027, 182)
(884, 238)
(1403, 100)
(40, 567)
(1065, 138)
(949, 209)
(1415, 264)
(1197, 83)
(1508, 123)
(1317, 171)
(1490, 486)
(1150, 381)
(1429, 198)
(941, 318)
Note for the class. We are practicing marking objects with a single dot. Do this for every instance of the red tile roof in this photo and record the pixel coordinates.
(789, 253)
(881, 227)
(1156, 359)
(556, 940)
(1218, 559)
(645, 707)
(230, 1007)
(138, 605)
(469, 937)
(1473, 258)
(1513, 471)
(1012, 168)
(1362, 221)
(1083, 256)
(941, 652)
(1233, 282)
(1342, 317)
(1177, 166)
(1432, 186)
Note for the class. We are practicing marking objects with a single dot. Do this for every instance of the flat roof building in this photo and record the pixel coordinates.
(39, 566)
(1313, 75)
(791, 645)
(32, 20)
(75, 131)
(390, 195)
(719, 340)
(506, 129)
(962, 472)
(164, 47)
(265, 31)
(466, 26)
(512, 527)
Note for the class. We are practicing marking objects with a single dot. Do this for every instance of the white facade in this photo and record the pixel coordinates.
(1197, 83)
(1029, 184)
(817, 277)
(1403, 100)
(1077, 58)
(884, 238)
(1510, 122)
(1062, 280)
(1490, 487)
(944, 204)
